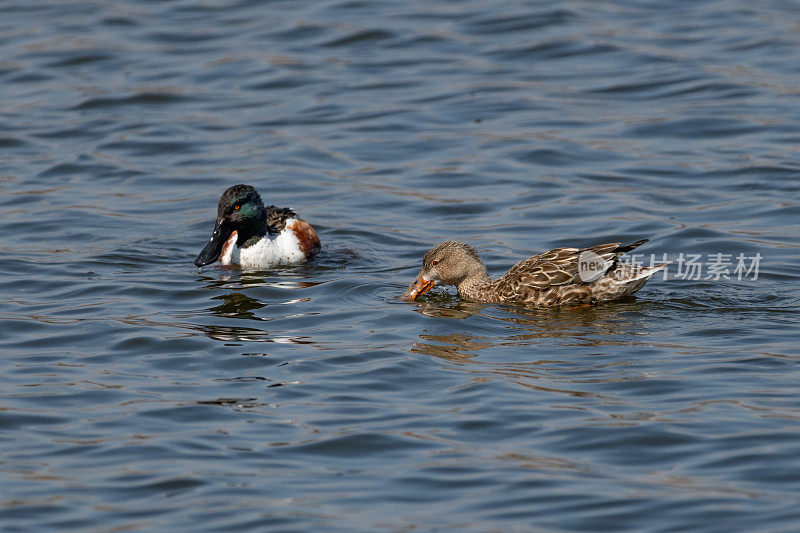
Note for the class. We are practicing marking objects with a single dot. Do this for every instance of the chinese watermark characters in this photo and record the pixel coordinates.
(712, 266)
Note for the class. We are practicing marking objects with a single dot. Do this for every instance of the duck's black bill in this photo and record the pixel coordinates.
(214, 245)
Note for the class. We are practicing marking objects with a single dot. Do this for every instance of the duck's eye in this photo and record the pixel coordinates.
(435, 262)
(236, 207)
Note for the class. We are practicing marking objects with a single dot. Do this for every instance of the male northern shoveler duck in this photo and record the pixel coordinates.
(254, 236)
(560, 276)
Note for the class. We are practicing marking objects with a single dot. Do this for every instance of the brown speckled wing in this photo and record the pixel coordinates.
(277, 217)
(556, 268)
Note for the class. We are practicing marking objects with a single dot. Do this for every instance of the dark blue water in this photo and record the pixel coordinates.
(140, 394)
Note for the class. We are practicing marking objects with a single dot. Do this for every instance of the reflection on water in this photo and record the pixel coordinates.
(448, 308)
(240, 306)
(455, 346)
(462, 348)
(569, 326)
(246, 334)
(220, 332)
(237, 305)
(531, 347)
(233, 278)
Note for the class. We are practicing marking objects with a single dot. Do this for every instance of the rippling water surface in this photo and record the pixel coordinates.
(138, 393)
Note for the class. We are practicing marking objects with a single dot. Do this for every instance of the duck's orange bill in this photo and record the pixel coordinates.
(419, 287)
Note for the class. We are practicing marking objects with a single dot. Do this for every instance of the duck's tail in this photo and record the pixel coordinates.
(614, 278)
(631, 278)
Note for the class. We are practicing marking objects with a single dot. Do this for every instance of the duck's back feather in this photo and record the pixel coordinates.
(277, 218)
(553, 277)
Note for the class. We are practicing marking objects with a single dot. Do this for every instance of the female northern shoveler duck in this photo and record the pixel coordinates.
(560, 276)
(254, 236)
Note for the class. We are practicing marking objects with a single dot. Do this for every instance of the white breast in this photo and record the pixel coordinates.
(281, 249)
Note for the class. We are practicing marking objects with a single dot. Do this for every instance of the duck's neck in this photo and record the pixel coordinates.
(251, 233)
(474, 283)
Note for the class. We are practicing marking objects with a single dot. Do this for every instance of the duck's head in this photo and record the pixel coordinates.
(447, 263)
(240, 217)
